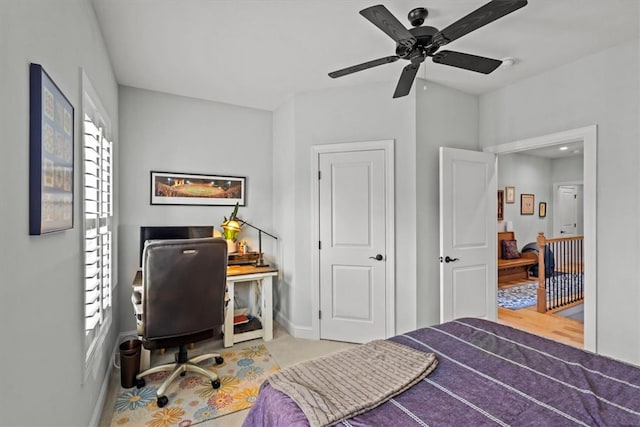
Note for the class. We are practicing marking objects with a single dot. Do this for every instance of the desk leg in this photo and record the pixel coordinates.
(145, 359)
(267, 308)
(228, 317)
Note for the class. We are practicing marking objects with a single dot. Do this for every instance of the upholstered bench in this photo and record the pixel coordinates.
(513, 265)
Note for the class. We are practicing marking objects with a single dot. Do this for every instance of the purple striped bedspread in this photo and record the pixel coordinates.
(491, 374)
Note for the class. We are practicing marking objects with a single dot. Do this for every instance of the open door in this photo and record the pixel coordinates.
(468, 217)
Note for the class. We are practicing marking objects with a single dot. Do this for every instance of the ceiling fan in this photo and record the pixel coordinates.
(419, 42)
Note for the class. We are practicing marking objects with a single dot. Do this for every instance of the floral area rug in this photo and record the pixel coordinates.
(192, 400)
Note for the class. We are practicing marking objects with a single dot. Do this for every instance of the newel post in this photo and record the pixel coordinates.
(541, 291)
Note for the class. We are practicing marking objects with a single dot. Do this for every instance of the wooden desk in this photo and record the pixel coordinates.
(260, 300)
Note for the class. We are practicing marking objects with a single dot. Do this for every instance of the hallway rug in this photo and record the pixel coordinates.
(192, 400)
(517, 297)
(525, 295)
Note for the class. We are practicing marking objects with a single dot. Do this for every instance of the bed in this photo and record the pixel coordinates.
(491, 374)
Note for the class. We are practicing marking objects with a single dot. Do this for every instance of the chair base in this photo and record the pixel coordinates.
(181, 367)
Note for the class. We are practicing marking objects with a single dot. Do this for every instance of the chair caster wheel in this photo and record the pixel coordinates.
(215, 384)
(140, 383)
(162, 401)
(219, 360)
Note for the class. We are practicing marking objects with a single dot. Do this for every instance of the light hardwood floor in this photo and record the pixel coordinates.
(553, 326)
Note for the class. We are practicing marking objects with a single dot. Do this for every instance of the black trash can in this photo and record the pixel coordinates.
(129, 362)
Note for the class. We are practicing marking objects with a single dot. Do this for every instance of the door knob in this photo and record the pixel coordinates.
(448, 259)
(377, 257)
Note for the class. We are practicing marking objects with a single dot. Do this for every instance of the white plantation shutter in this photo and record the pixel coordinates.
(98, 218)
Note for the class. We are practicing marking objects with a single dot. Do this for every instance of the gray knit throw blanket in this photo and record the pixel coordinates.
(344, 384)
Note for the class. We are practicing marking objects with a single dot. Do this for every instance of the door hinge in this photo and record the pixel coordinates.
(319, 314)
(319, 244)
(575, 196)
(319, 175)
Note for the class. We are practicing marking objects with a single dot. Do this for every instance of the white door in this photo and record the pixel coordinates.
(468, 217)
(567, 210)
(352, 265)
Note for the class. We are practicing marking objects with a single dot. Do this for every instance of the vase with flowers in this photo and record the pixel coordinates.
(230, 229)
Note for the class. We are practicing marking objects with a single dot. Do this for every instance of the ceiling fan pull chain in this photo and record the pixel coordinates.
(425, 75)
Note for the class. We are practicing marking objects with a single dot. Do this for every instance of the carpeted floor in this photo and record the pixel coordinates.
(285, 349)
(192, 400)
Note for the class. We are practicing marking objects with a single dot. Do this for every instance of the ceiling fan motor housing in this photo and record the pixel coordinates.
(423, 45)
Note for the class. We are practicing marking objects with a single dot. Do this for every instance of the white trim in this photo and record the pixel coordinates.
(589, 136)
(104, 389)
(388, 147)
(304, 332)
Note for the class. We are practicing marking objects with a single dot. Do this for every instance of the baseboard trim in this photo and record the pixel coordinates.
(305, 332)
(104, 389)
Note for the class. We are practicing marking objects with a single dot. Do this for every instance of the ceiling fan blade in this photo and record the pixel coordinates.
(406, 80)
(467, 61)
(363, 66)
(480, 17)
(381, 17)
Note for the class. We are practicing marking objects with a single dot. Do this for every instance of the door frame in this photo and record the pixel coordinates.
(388, 147)
(589, 136)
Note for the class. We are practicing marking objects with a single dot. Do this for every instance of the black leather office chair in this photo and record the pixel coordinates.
(183, 290)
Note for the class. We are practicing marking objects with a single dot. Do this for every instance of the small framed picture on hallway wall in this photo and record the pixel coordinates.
(510, 194)
(527, 202)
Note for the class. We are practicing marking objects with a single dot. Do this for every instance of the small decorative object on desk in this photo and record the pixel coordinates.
(230, 229)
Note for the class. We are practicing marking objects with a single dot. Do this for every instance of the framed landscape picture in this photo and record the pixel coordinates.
(172, 188)
(50, 155)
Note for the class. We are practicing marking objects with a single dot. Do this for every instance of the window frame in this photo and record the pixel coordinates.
(98, 237)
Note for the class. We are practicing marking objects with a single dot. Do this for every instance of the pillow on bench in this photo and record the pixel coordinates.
(510, 249)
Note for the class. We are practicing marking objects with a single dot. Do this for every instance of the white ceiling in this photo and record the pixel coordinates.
(559, 151)
(256, 53)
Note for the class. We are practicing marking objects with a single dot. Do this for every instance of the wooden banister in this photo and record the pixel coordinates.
(541, 291)
(567, 261)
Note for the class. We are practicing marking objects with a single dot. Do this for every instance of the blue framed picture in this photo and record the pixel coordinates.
(50, 155)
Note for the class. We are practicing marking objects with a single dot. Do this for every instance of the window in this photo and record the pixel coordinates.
(98, 219)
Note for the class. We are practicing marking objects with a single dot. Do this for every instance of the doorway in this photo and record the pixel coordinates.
(568, 212)
(588, 136)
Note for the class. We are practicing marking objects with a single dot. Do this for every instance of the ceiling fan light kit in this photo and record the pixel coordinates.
(418, 43)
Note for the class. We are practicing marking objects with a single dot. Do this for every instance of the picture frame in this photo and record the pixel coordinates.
(500, 205)
(51, 155)
(175, 188)
(510, 194)
(542, 209)
(527, 202)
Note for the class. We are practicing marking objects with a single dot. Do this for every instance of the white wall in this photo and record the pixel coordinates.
(529, 175)
(360, 113)
(284, 179)
(568, 169)
(601, 89)
(41, 277)
(449, 118)
(161, 132)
